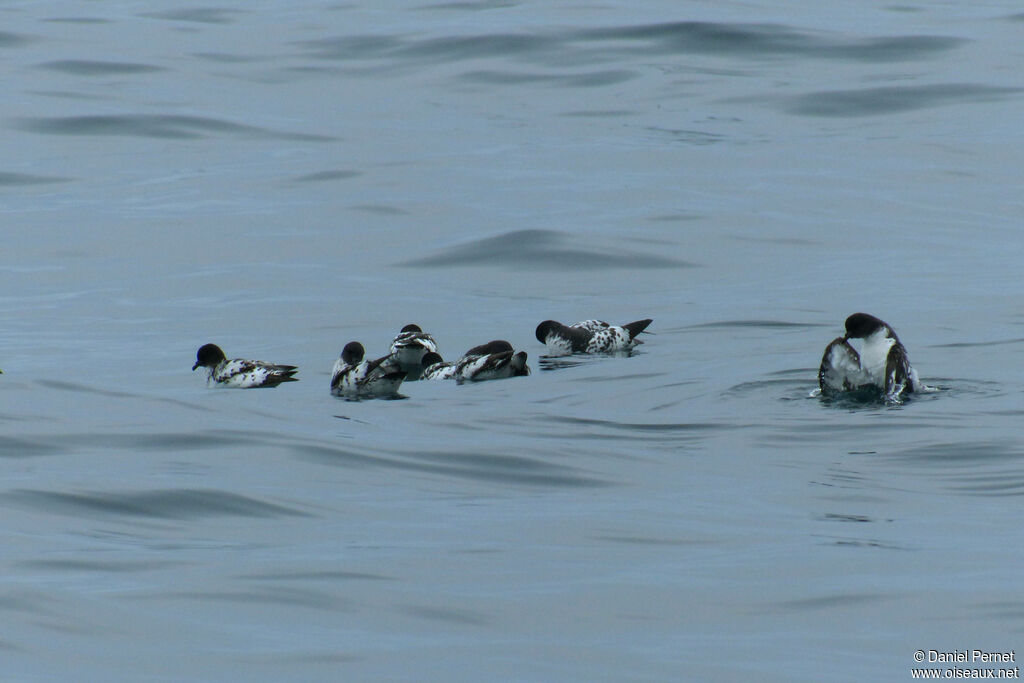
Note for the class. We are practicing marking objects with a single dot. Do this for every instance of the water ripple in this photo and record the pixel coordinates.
(199, 15)
(508, 469)
(8, 39)
(659, 433)
(321, 176)
(584, 80)
(11, 447)
(830, 602)
(640, 426)
(652, 542)
(451, 48)
(761, 324)
(86, 67)
(770, 39)
(21, 447)
(95, 566)
(892, 99)
(328, 575)
(842, 517)
(154, 126)
(864, 543)
(271, 595)
(986, 344)
(161, 504)
(989, 468)
(469, 6)
(445, 614)
(608, 44)
(78, 20)
(541, 250)
(961, 454)
(26, 179)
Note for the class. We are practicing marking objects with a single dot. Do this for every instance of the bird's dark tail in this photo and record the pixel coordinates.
(637, 327)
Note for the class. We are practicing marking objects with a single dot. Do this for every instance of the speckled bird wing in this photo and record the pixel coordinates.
(343, 378)
(442, 370)
(898, 373)
(840, 368)
(591, 325)
(610, 339)
(248, 374)
(414, 340)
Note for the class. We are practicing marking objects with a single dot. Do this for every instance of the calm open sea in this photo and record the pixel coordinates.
(281, 178)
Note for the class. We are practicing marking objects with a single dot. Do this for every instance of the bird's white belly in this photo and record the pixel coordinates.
(874, 356)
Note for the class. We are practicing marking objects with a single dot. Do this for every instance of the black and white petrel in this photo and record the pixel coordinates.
(436, 367)
(409, 347)
(881, 365)
(589, 336)
(241, 373)
(353, 377)
(494, 360)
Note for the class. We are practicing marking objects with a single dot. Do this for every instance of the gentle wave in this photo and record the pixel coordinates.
(491, 467)
(154, 126)
(968, 345)
(268, 595)
(960, 454)
(317, 575)
(454, 48)
(762, 324)
(99, 566)
(612, 433)
(892, 99)
(575, 80)
(831, 601)
(322, 176)
(160, 504)
(19, 447)
(988, 468)
(199, 15)
(771, 39)
(609, 44)
(468, 6)
(446, 615)
(8, 39)
(77, 20)
(633, 427)
(87, 67)
(12, 447)
(11, 179)
(75, 387)
(541, 250)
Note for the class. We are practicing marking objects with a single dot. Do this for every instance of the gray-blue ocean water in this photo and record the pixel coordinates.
(282, 178)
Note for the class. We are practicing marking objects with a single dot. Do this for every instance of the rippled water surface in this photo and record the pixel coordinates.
(281, 179)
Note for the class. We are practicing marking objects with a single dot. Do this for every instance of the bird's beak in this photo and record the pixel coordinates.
(195, 366)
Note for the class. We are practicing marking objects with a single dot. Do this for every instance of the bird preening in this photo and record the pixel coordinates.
(590, 336)
(882, 364)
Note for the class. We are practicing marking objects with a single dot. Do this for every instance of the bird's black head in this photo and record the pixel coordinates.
(494, 346)
(430, 358)
(545, 328)
(208, 356)
(861, 325)
(411, 327)
(353, 353)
